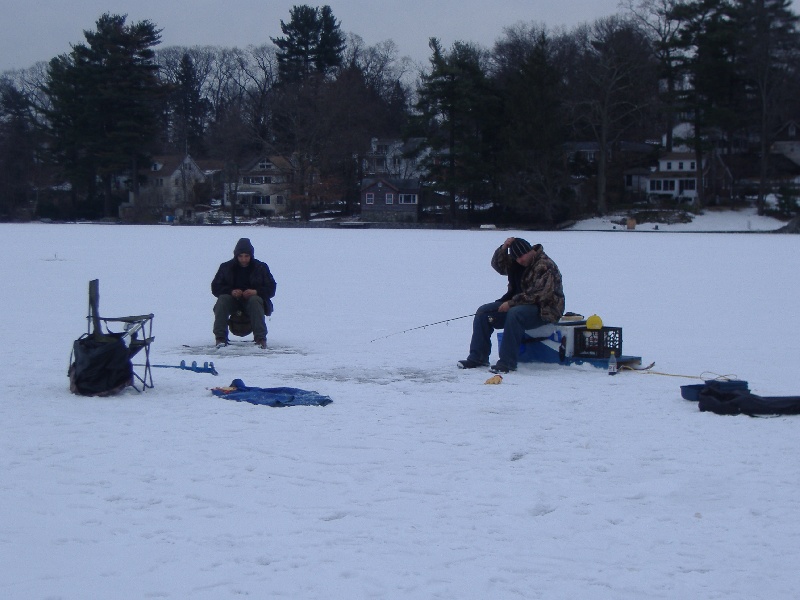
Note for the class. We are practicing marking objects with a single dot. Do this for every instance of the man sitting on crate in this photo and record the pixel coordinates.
(243, 287)
(535, 296)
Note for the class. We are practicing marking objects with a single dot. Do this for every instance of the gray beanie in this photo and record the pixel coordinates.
(519, 247)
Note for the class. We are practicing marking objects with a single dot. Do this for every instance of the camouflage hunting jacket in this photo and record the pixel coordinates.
(540, 283)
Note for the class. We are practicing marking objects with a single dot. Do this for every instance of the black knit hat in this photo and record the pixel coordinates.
(519, 247)
(243, 246)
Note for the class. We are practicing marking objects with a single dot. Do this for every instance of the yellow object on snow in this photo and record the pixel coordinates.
(494, 379)
(594, 322)
(225, 389)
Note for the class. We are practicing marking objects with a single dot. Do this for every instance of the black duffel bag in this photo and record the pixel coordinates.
(732, 401)
(101, 365)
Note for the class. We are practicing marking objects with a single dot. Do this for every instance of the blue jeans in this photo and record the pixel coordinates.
(513, 323)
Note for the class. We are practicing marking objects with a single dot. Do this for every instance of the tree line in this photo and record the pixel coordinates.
(498, 123)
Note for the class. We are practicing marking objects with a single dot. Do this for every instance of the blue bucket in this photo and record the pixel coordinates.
(690, 392)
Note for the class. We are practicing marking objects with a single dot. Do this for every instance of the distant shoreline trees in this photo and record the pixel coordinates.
(497, 121)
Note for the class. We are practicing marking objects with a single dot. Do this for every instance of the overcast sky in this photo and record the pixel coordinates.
(38, 30)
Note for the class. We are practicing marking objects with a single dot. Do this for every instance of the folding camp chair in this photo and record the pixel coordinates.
(94, 352)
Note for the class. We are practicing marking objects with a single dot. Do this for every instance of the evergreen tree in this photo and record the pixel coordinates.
(533, 126)
(189, 110)
(455, 100)
(767, 53)
(312, 43)
(105, 96)
(331, 42)
(707, 41)
(72, 129)
(17, 150)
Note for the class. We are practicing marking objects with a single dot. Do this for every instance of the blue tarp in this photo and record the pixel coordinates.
(278, 396)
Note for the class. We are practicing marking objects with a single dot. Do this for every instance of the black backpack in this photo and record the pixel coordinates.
(102, 365)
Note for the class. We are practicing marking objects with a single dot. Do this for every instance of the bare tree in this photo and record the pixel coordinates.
(614, 82)
(657, 21)
(259, 67)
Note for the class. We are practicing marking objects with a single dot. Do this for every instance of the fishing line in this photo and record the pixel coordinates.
(422, 327)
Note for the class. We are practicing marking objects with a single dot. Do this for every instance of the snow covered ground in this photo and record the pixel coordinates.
(744, 220)
(418, 481)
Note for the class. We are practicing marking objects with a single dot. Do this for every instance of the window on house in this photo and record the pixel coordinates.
(655, 185)
(381, 149)
(669, 185)
(263, 165)
(407, 198)
(280, 199)
(370, 198)
(692, 166)
(669, 166)
(680, 166)
(389, 198)
(628, 180)
(689, 184)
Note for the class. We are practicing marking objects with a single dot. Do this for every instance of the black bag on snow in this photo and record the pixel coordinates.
(239, 324)
(743, 402)
(102, 365)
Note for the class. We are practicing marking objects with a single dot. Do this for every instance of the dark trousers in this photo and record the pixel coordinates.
(253, 307)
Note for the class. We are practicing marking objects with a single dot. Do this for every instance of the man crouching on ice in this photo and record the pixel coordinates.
(535, 296)
(243, 284)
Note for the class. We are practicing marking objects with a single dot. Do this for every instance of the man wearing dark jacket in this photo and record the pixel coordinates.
(535, 296)
(243, 285)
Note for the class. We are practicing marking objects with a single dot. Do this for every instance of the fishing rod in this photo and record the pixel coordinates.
(421, 327)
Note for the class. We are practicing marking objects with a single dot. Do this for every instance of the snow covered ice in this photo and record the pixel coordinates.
(419, 481)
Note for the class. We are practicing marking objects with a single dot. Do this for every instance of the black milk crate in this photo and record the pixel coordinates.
(598, 343)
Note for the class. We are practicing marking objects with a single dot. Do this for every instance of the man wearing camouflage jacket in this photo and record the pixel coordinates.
(535, 296)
